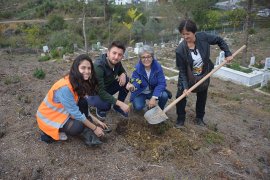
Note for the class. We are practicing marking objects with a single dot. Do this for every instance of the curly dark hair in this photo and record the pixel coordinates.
(80, 86)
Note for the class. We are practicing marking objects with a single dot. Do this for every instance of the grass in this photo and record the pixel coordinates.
(266, 88)
(39, 73)
(213, 137)
(236, 66)
(12, 79)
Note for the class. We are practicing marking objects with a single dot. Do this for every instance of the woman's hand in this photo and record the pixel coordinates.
(229, 59)
(97, 121)
(102, 124)
(152, 103)
(98, 131)
(122, 79)
(130, 87)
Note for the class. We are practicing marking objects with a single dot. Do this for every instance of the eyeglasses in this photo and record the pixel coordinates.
(146, 57)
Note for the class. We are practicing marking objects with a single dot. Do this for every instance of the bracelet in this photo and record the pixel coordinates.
(95, 129)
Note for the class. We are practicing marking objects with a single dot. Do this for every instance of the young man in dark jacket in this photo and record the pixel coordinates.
(112, 78)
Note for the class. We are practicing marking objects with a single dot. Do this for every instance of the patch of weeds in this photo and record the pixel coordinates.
(213, 137)
(235, 97)
(24, 98)
(266, 88)
(12, 79)
(39, 73)
(236, 66)
(44, 58)
(213, 127)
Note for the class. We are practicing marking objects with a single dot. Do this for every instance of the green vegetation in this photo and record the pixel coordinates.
(213, 137)
(266, 88)
(236, 66)
(149, 23)
(44, 58)
(12, 79)
(39, 73)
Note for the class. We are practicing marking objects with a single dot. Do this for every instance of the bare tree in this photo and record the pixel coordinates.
(247, 28)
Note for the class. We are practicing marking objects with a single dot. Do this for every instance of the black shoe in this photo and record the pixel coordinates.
(44, 137)
(200, 122)
(179, 124)
(90, 138)
(100, 114)
(120, 111)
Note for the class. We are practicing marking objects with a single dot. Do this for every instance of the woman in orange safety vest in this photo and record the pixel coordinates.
(64, 110)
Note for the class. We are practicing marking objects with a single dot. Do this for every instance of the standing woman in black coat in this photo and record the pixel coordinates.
(193, 62)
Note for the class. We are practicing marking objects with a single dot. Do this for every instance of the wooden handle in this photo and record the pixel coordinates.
(201, 81)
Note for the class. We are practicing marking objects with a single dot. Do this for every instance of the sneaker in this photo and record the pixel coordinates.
(179, 124)
(63, 136)
(200, 122)
(119, 110)
(100, 114)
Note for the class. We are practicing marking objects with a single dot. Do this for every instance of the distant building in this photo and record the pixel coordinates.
(264, 13)
(227, 5)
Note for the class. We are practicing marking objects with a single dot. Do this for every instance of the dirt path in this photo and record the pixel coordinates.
(235, 145)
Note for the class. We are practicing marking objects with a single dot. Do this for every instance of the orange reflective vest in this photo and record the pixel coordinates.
(50, 115)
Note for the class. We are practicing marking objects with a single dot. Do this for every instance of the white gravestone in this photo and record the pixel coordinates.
(45, 49)
(220, 58)
(252, 60)
(267, 63)
(137, 47)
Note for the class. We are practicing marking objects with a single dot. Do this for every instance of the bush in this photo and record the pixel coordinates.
(56, 22)
(39, 73)
(64, 39)
(44, 58)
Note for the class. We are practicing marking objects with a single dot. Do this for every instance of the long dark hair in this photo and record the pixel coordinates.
(80, 86)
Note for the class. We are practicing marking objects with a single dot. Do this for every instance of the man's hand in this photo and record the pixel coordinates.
(123, 106)
(152, 103)
(122, 79)
(98, 131)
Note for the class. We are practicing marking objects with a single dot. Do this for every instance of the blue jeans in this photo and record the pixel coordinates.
(139, 101)
(97, 102)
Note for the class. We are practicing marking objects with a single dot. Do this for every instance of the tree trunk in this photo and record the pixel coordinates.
(84, 34)
(247, 29)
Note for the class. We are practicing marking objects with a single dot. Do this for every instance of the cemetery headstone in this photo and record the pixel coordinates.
(267, 63)
(252, 60)
(45, 49)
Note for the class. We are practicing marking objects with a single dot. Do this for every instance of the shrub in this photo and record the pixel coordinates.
(39, 73)
(56, 22)
(44, 58)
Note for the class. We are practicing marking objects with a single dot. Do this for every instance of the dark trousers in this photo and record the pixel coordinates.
(73, 127)
(200, 105)
(115, 87)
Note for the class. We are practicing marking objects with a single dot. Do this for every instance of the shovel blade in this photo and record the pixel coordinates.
(155, 115)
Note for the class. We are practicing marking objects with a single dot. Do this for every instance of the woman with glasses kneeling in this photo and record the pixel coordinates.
(148, 82)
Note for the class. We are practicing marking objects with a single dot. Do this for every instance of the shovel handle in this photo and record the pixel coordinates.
(201, 81)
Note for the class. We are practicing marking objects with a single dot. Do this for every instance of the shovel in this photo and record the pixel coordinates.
(156, 115)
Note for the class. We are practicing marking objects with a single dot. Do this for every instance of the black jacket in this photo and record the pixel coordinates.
(106, 76)
(184, 58)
